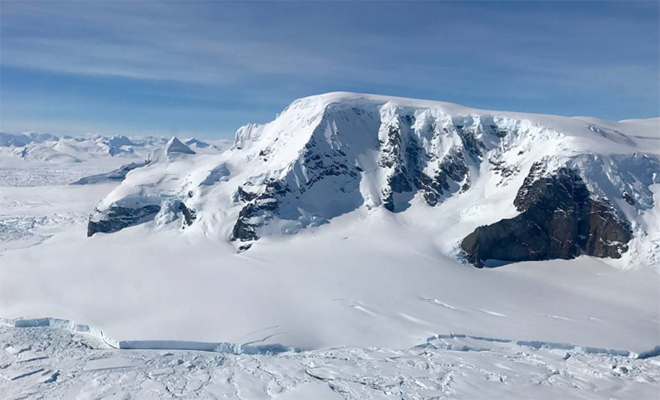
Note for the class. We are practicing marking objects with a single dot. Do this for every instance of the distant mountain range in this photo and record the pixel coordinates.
(48, 148)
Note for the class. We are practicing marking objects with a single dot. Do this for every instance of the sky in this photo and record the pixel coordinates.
(207, 68)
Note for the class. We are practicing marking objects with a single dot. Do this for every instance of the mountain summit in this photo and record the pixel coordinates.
(491, 187)
(174, 145)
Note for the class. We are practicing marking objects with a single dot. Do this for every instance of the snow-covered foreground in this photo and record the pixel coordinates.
(53, 363)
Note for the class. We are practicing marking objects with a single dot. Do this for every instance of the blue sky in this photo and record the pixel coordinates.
(206, 68)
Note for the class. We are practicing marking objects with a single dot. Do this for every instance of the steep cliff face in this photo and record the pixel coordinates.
(558, 187)
(356, 154)
(558, 219)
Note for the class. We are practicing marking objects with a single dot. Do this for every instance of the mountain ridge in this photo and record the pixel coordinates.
(48, 148)
(332, 154)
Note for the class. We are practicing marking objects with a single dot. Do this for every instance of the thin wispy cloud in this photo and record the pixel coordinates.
(248, 60)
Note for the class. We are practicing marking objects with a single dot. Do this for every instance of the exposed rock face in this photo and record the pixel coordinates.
(451, 168)
(423, 153)
(259, 209)
(395, 161)
(281, 197)
(417, 151)
(189, 215)
(558, 220)
(118, 218)
(608, 233)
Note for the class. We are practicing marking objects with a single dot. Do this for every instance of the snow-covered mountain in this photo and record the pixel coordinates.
(199, 145)
(36, 159)
(48, 148)
(488, 186)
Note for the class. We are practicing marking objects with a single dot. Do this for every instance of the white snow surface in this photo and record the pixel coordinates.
(54, 363)
(339, 277)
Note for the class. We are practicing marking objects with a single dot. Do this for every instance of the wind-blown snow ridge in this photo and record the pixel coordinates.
(439, 341)
(58, 323)
(217, 347)
(54, 364)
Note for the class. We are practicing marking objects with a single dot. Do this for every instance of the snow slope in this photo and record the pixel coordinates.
(382, 285)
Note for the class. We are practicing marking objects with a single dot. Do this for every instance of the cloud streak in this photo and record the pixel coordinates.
(261, 55)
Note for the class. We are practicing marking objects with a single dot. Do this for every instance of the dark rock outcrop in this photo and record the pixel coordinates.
(259, 208)
(452, 168)
(280, 197)
(189, 215)
(470, 141)
(329, 163)
(558, 220)
(407, 160)
(243, 230)
(393, 156)
(118, 218)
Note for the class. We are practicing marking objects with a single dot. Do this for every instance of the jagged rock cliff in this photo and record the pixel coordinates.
(558, 219)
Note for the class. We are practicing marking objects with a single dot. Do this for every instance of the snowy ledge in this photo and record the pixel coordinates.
(437, 342)
(216, 347)
(452, 341)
